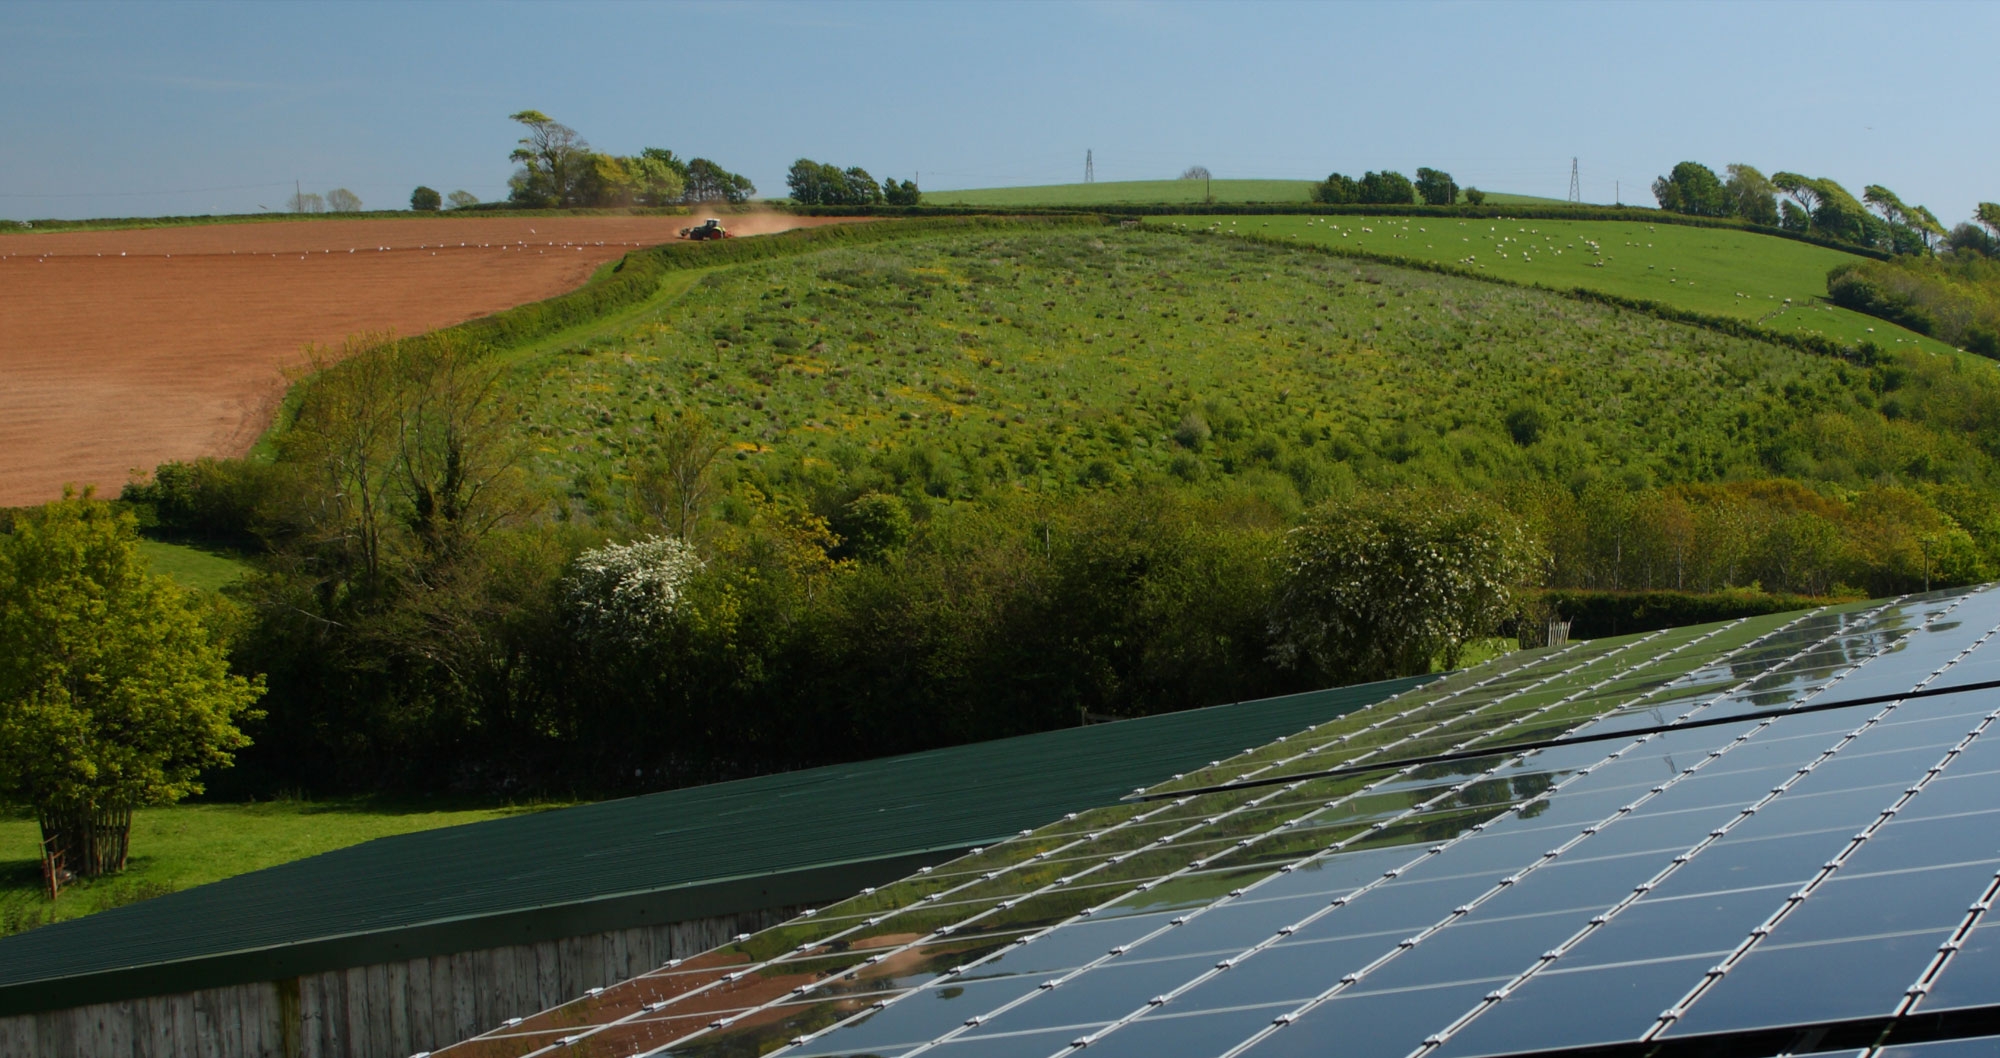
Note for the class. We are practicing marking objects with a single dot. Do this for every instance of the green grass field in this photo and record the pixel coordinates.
(193, 567)
(1153, 192)
(1048, 360)
(1778, 283)
(187, 845)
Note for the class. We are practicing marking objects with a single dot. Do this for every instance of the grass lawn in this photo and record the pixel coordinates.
(1779, 283)
(1151, 192)
(188, 845)
(192, 567)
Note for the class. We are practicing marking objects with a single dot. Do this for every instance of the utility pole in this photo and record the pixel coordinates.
(298, 196)
(1089, 168)
(1617, 193)
(1575, 188)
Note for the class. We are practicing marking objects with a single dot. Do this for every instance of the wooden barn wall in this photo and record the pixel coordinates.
(388, 1010)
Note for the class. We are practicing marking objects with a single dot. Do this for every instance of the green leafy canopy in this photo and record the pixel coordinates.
(114, 687)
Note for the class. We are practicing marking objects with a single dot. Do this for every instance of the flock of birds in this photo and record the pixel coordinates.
(519, 245)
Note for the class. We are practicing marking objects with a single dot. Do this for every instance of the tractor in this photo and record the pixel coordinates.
(708, 229)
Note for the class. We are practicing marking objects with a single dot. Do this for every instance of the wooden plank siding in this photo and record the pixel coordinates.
(386, 1010)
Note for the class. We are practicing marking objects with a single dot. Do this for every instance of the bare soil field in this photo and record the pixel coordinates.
(120, 350)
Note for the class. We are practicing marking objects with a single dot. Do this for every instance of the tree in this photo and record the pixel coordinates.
(1337, 190)
(1693, 189)
(553, 160)
(808, 182)
(655, 182)
(1972, 239)
(874, 525)
(341, 200)
(1913, 228)
(671, 485)
(1436, 187)
(604, 181)
(860, 187)
(709, 182)
(462, 199)
(307, 202)
(1752, 195)
(1383, 188)
(1988, 215)
(627, 593)
(1382, 585)
(115, 689)
(819, 184)
(1475, 197)
(425, 199)
(902, 193)
(1828, 209)
(457, 453)
(1195, 172)
(667, 158)
(1387, 188)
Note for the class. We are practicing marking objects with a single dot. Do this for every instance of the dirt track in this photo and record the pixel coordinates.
(120, 350)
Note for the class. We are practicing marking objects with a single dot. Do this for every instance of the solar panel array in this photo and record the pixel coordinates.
(1773, 822)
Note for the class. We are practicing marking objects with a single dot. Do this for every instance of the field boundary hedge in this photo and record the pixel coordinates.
(1865, 354)
(1596, 614)
(1257, 209)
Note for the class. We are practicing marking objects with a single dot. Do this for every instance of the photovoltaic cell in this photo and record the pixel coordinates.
(1973, 1047)
(1596, 883)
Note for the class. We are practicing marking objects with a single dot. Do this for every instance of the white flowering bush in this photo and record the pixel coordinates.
(1380, 586)
(629, 592)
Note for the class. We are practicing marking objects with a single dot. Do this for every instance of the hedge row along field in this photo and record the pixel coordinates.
(1153, 193)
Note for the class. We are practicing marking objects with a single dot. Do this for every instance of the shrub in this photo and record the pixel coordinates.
(627, 593)
(1382, 585)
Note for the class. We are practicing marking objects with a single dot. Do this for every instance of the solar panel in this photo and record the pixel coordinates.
(1698, 850)
(1970, 1047)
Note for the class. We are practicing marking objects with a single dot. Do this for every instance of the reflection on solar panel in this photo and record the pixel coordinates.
(1753, 831)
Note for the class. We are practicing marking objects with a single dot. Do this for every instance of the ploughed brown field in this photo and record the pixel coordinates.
(121, 350)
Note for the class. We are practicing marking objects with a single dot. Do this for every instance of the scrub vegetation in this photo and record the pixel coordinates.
(947, 480)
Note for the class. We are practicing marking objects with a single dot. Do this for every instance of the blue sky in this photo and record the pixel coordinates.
(155, 108)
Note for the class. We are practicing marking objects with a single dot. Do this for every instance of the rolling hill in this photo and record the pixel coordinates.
(1152, 192)
(1772, 282)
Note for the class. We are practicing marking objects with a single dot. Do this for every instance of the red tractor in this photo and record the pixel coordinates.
(708, 229)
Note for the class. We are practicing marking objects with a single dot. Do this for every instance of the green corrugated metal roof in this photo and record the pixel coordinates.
(797, 837)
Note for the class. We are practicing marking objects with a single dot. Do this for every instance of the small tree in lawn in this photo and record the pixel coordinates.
(115, 691)
(1381, 586)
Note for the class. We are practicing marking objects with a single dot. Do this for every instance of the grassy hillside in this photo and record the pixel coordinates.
(1048, 361)
(1147, 192)
(188, 845)
(1777, 283)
